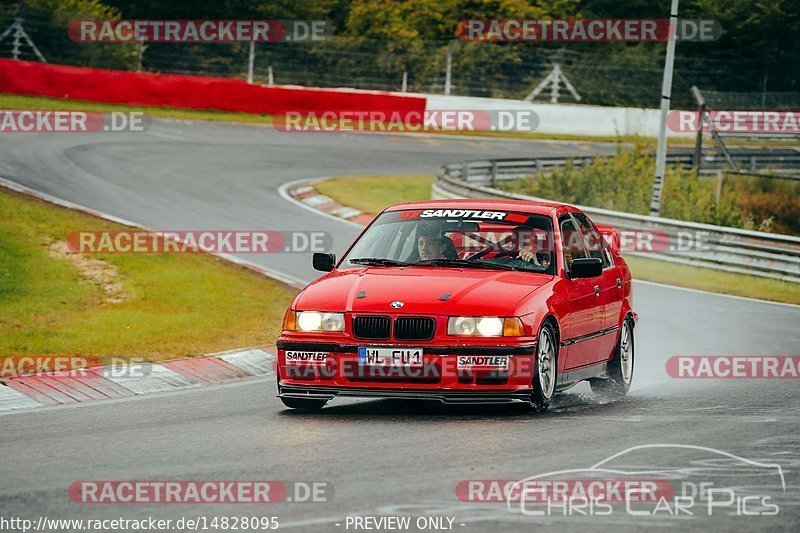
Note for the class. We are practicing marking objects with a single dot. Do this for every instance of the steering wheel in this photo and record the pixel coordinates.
(507, 253)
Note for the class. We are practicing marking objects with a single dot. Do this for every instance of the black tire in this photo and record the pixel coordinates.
(620, 368)
(545, 374)
(302, 404)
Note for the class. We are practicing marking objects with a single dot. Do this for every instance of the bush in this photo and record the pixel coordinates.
(624, 183)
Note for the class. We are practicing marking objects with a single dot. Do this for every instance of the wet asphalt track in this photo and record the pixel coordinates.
(382, 457)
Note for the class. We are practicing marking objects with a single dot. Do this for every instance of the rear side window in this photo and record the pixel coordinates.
(571, 241)
(593, 241)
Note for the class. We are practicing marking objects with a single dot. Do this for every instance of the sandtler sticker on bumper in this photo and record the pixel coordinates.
(467, 362)
(306, 358)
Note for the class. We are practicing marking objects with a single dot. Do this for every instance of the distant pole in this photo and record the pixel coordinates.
(698, 142)
(404, 87)
(554, 87)
(448, 74)
(666, 94)
(270, 80)
(250, 61)
(17, 36)
(140, 57)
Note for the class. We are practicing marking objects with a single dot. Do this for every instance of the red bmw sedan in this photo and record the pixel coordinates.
(463, 301)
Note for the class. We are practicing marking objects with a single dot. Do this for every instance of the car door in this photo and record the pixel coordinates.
(610, 284)
(580, 324)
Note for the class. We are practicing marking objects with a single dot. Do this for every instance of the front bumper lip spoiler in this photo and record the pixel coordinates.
(452, 397)
(302, 346)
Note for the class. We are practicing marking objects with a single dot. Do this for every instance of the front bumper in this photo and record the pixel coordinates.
(453, 397)
(442, 376)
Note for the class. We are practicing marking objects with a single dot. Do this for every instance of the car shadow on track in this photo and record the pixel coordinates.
(565, 404)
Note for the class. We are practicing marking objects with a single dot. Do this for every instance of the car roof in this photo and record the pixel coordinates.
(524, 206)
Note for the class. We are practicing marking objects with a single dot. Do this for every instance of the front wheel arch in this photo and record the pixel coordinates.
(545, 365)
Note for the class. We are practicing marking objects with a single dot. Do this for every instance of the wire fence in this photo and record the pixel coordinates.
(603, 73)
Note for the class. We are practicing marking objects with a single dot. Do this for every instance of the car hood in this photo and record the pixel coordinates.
(422, 290)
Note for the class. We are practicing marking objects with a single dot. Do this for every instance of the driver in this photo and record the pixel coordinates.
(431, 246)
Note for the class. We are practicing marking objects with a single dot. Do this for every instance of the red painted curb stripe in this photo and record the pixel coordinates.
(363, 219)
(39, 391)
(77, 387)
(206, 370)
(91, 384)
(33, 393)
(101, 383)
(61, 385)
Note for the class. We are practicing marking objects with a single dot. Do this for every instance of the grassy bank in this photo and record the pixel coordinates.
(14, 101)
(372, 194)
(159, 306)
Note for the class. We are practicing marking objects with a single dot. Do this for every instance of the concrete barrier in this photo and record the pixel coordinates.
(565, 119)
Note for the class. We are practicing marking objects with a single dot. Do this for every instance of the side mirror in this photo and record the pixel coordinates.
(324, 262)
(587, 267)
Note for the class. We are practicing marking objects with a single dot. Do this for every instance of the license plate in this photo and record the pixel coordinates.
(394, 357)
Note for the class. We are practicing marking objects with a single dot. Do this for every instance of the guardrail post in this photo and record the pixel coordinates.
(494, 172)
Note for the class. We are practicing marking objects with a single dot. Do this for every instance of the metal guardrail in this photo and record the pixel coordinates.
(757, 253)
(786, 165)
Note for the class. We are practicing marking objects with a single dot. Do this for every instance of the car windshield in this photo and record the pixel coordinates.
(456, 238)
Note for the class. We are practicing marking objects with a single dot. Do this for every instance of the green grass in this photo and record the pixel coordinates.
(178, 304)
(372, 194)
(14, 101)
(713, 281)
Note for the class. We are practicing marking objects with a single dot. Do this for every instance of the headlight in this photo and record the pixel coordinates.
(315, 321)
(484, 326)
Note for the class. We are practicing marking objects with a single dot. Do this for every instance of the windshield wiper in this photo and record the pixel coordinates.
(467, 263)
(378, 261)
